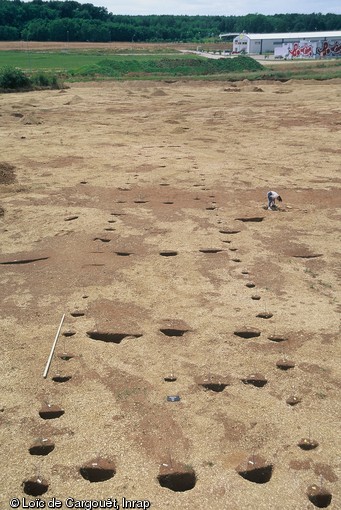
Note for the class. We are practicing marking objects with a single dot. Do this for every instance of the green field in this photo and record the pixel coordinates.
(89, 65)
(85, 65)
(48, 61)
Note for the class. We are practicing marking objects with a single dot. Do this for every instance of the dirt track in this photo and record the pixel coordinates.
(112, 177)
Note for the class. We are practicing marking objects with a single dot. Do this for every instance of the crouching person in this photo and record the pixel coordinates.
(272, 197)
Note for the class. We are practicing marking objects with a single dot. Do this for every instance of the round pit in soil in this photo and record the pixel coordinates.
(229, 231)
(177, 477)
(255, 469)
(293, 400)
(285, 364)
(66, 356)
(98, 470)
(41, 446)
(213, 382)
(50, 412)
(210, 250)
(35, 486)
(319, 496)
(173, 331)
(256, 379)
(307, 444)
(250, 285)
(170, 378)
(60, 378)
(255, 297)
(277, 338)
(252, 219)
(110, 336)
(69, 333)
(168, 253)
(247, 333)
(77, 313)
(265, 315)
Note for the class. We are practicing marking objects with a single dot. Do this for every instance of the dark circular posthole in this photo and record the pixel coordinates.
(42, 446)
(247, 333)
(257, 380)
(250, 285)
(307, 444)
(319, 496)
(229, 231)
(264, 315)
(69, 333)
(177, 478)
(50, 412)
(123, 253)
(277, 338)
(210, 250)
(102, 239)
(255, 470)
(98, 470)
(253, 219)
(78, 313)
(285, 364)
(168, 202)
(35, 486)
(168, 253)
(293, 400)
(236, 260)
(170, 378)
(66, 356)
(216, 387)
(213, 382)
(255, 297)
(173, 331)
(110, 336)
(59, 378)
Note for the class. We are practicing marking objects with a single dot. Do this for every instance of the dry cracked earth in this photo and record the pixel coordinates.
(138, 210)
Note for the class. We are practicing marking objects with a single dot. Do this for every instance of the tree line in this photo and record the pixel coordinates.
(57, 20)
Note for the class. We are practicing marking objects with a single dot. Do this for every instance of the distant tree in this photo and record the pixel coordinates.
(9, 33)
(51, 20)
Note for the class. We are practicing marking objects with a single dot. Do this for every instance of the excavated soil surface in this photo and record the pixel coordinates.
(99, 180)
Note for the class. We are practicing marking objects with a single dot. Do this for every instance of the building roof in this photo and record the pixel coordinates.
(296, 35)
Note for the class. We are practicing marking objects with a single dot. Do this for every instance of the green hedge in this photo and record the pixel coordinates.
(14, 79)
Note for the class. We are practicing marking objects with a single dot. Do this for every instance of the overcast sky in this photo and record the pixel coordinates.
(217, 7)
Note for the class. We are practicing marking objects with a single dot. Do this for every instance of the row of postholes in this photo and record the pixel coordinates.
(175, 475)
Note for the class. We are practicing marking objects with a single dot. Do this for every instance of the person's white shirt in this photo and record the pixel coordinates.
(274, 195)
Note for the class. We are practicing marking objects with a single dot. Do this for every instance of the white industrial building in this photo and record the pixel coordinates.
(325, 44)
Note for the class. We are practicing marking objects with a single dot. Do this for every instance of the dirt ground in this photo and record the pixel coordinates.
(138, 210)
